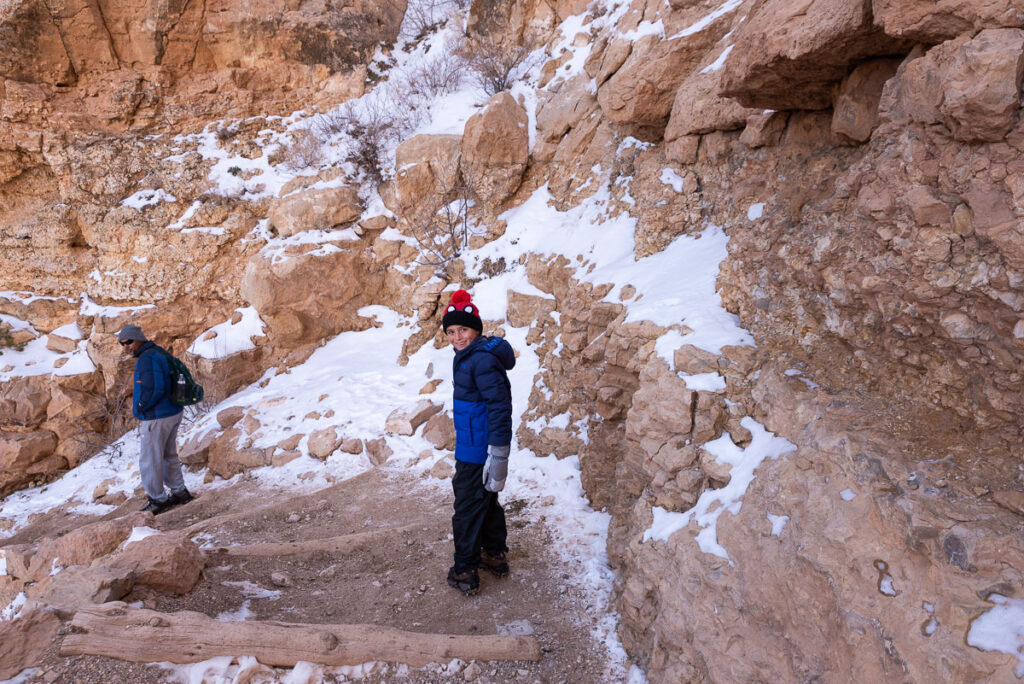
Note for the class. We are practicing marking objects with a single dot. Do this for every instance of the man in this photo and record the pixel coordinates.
(159, 417)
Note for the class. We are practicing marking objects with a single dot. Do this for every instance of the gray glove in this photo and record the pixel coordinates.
(496, 468)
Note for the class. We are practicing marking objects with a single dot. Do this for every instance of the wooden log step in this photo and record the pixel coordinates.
(343, 544)
(144, 636)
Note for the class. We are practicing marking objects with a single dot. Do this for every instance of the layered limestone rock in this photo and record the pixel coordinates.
(97, 64)
(864, 268)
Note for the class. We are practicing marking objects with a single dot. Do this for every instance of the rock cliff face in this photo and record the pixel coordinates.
(866, 161)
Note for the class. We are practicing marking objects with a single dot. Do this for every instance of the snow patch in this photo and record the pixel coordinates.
(718, 64)
(1001, 629)
(140, 533)
(778, 523)
(713, 502)
(227, 338)
(147, 198)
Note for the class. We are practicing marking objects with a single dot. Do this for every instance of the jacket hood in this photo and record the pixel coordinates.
(497, 346)
(149, 344)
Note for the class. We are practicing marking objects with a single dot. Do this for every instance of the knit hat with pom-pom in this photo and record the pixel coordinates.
(462, 311)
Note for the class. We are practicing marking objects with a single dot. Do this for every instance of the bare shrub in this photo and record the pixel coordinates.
(495, 66)
(437, 76)
(328, 125)
(110, 417)
(305, 151)
(374, 125)
(443, 231)
(422, 17)
(7, 340)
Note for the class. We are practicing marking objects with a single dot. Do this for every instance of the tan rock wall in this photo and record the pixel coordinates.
(880, 265)
(102, 63)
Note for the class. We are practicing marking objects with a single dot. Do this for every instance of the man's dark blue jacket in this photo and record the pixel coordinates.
(152, 387)
(483, 398)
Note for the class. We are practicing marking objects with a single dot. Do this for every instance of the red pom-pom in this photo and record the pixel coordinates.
(460, 298)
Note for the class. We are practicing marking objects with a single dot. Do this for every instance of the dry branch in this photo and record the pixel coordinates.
(146, 636)
(343, 544)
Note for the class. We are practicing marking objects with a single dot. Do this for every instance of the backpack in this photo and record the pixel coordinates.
(185, 391)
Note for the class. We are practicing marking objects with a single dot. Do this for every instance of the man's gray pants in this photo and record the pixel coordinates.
(158, 457)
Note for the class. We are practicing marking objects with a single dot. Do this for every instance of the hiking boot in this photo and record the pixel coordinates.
(182, 497)
(156, 507)
(467, 582)
(495, 563)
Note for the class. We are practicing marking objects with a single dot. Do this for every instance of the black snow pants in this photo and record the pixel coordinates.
(479, 520)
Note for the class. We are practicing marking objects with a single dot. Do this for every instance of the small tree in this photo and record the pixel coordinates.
(443, 232)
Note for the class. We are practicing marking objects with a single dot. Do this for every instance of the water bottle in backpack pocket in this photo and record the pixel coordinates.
(185, 391)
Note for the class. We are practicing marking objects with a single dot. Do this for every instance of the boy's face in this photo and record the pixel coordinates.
(460, 336)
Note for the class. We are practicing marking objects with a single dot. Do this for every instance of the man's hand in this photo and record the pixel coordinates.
(496, 468)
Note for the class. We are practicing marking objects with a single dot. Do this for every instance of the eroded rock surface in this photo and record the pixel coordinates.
(864, 160)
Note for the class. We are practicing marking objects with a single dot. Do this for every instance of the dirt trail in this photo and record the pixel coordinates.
(398, 581)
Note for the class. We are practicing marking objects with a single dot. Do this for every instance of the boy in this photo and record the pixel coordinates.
(483, 436)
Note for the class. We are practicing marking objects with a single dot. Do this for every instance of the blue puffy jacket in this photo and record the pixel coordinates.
(152, 387)
(483, 397)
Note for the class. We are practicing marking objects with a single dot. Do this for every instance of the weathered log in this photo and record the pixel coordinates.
(145, 636)
(343, 544)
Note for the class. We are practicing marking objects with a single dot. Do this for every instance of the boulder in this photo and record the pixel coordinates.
(931, 23)
(195, 451)
(525, 309)
(17, 560)
(378, 451)
(83, 545)
(226, 459)
(25, 456)
(75, 587)
(323, 442)
(351, 445)
(442, 470)
(855, 111)
(291, 442)
(697, 108)
(970, 85)
(794, 52)
(318, 209)
(495, 149)
(558, 111)
(279, 290)
(426, 168)
(282, 457)
(405, 421)
(439, 431)
(981, 86)
(642, 90)
(23, 401)
(25, 640)
(229, 416)
(59, 344)
(168, 563)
